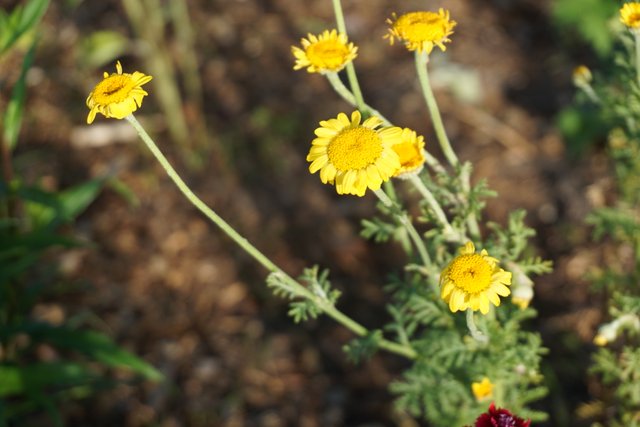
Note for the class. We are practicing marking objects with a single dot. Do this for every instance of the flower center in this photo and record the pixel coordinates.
(471, 272)
(634, 19)
(354, 148)
(113, 89)
(421, 26)
(328, 54)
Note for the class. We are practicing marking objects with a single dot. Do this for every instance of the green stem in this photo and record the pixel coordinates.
(636, 36)
(300, 290)
(423, 76)
(348, 96)
(473, 329)
(351, 70)
(428, 196)
(413, 233)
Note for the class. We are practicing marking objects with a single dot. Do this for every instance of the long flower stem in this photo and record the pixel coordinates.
(406, 222)
(351, 70)
(421, 59)
(300, 290)
(434, 205)
(348, 96)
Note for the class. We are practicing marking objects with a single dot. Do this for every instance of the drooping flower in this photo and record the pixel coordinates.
(473, 280)
(500, 418)
(421, 31)
(410, 151)
(352, 155)
(117, 95)
(327, 52)
(482, 390)
(582, 76)
(630, 15)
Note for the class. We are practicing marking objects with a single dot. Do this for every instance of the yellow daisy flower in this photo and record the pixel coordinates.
(472, 281)
(327, 52)
(410, 151)
(421, 31)
(352, 155)
(482, 390)
(630, 15)
(117, 95)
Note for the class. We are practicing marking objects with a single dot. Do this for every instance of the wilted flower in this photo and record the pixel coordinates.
(421, 31)
(327, 52)
(117, 95)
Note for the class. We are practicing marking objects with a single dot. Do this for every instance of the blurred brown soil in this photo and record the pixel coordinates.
(171, 288)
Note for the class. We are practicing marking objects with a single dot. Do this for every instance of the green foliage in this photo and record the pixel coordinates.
(303, 308)
(587, 18)
(21, 19)
(30, 220)
(617, 99)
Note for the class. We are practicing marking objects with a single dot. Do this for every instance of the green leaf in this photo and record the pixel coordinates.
(50, 209)
(17, 380)
(102, 47)
(94, 345)
(21, 20)
(13, 116)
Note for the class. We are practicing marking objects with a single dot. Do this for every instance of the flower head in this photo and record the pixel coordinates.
(117, 95)
(482, 390)
(500, 418)
(473, 280)
(352, 155)
(630, 15)
(582, 76)
(410, 151)
(327, 52)
(421, 31)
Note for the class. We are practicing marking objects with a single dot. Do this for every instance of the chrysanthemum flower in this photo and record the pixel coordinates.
(500, 418)
(327, 52)
(352, 155)
(630, 15)
(410, 151)
(472, 281)
(117, 95)
(482, 390)
(421, 31)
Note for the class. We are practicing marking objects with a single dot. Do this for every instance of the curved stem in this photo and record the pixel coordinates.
(473, 329)
(413, 233)
(421, 59)
(351, 70)
(300, 290)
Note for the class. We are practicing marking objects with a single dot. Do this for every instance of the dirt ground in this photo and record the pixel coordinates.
(169, 287)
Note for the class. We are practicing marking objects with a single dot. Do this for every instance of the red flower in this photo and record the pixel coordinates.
(500, 418)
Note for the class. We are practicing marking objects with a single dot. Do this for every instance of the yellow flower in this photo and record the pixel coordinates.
(630, 15)
(354, 156)
(410, 151)
(482, 390)
(472, 281)
(327, 52)
(582, 75)
(117, 95)
(421, 31)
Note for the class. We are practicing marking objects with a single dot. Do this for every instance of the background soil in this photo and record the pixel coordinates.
(169, 287)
